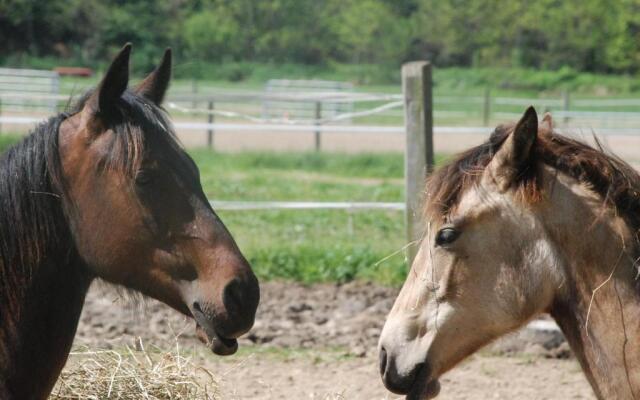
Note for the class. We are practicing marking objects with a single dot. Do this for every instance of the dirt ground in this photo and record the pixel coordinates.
(482, 377)
(319, 342)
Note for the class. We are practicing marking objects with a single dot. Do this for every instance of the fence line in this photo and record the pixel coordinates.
(304, 205)
(224, 95)
(360, 129)
(488, 110)
(335, 118)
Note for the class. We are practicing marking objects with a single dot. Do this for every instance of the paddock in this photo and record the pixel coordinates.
(284, 364)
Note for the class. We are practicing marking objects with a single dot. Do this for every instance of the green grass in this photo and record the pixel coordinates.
(357, 165)
(316, 245)
(7, 140)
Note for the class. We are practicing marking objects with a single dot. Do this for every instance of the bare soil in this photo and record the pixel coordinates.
(484, 376)
(319, 342)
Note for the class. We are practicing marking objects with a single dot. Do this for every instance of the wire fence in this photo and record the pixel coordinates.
(373, 109)
(288, 121)
(304, 205)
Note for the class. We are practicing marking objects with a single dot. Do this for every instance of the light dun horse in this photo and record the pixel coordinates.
(530, 222)
(106, 192)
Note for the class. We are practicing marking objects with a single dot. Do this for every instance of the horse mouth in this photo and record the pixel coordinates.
(218, 344)
(424, 387)
(208, 334)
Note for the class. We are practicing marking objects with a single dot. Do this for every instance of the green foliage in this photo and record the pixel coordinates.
(581, 35)
(212, 36)
(369, 32)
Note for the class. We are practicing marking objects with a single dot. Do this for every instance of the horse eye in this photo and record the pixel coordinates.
(143, 178)
(446, 236)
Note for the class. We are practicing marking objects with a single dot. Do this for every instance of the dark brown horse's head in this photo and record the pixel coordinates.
(137, 211)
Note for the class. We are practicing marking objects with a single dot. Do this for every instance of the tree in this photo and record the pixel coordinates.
(368, 31)
(212, 36)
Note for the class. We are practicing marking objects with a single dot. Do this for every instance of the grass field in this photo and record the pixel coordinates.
(7, 140)
(310, 246)
(303, 245)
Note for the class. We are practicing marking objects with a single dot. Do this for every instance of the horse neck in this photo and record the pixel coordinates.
(39, 340)
(37, 329)
(597, 307)
(42, 280)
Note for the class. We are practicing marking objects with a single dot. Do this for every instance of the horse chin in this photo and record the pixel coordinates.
(425, 386)
(219, 345)
(424, 391)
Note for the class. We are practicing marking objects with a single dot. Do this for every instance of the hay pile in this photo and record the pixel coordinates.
(134, 374)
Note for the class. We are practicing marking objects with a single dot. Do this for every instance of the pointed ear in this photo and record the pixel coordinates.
(546, 125)
(155, 85)
(514, 156)
(103, 100)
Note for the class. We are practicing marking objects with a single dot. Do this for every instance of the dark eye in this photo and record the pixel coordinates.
(143, 178)
(446, 236)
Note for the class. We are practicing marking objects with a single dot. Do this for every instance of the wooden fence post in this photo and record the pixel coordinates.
(210, 129)
(566, 104)
(486, 111)
(418, 109)
(194, 92)
(318, 116)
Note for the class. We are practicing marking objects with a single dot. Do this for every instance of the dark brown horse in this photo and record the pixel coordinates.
(105, 191)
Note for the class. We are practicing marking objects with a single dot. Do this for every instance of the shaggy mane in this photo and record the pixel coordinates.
(607, 175)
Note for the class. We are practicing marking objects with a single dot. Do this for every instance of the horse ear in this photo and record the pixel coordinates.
(514, 155)
(546, 124)
(103, 101)
(155, 85)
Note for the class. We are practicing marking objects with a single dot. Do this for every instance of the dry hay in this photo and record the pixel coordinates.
(134, 374)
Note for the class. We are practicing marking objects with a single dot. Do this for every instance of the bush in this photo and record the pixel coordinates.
(212, 36)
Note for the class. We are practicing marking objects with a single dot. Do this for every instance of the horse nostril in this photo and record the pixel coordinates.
(383, 361)
(394, 380)
(196, 307)
(233, 296)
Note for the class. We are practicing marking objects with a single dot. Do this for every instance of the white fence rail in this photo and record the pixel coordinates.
(356, 129)
(38, 88)
(315, 99)
(304, 205)
(370, 108)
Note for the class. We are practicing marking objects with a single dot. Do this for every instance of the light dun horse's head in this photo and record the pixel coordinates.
(483, 268)
(137, 211)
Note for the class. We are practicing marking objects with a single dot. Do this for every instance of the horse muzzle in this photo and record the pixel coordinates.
(225, 317)
(208, 335)
(417, 384)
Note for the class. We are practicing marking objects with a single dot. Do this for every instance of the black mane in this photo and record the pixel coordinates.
(31, 219)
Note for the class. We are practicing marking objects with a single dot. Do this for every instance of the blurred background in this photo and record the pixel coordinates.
(358, 40)
(294, 113)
